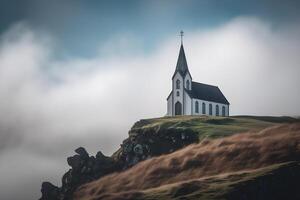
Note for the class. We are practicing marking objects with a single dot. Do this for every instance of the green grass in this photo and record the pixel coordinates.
(211, 127)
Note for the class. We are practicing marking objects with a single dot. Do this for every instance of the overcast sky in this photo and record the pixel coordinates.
(78, 73)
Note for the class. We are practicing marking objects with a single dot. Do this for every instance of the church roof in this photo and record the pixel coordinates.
(181, 65)
(207, 93)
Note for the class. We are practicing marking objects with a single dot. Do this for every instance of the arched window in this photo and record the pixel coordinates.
(203, 108)
(196, 107)
(210, 109)
(177, 93)
(223, 111)
(217, 110)
(178, 84)
(187, 84)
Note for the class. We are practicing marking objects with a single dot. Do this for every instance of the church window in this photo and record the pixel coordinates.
(188, 84)
(177, 94)
(210, 109)
(203, 108)
(217, 110)
(178, 84)
(223, 111)
(196, 107)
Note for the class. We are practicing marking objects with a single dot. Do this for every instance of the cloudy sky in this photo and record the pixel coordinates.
(80, 73)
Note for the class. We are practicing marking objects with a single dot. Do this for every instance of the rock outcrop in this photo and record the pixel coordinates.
(50, 191)
(144, 143)
(84, 168)
(140, 145)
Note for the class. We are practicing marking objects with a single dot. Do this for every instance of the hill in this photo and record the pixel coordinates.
(215, 151)
(236, 166)
(153, 137)
(212, 127)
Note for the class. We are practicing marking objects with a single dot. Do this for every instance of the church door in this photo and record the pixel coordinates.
(178, 108)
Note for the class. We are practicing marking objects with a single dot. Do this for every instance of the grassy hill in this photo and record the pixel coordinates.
(241, 157)
(210, 127)
(280, 182)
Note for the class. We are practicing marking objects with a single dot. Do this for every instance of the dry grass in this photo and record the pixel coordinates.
(248, 151)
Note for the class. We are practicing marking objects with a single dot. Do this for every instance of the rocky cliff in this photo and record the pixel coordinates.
(245, 162)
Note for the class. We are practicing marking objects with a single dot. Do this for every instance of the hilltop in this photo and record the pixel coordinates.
(189, 157)
(157, 136)
(212, 127)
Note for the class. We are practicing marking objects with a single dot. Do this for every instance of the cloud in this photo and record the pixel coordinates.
(255, 65)
(50, 106)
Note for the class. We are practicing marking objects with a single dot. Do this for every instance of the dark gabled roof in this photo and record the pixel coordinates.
(207, 93)
(181, 65)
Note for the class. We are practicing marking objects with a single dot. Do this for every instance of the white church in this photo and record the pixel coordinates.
(192, 98)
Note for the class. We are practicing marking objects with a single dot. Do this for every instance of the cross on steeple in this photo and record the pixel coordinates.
(181, 35)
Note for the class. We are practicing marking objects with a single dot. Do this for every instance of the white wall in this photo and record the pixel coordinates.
(175, 97)
(188, 77)
(169, 106)
(187, 98)
(187, 104)
(207, 108)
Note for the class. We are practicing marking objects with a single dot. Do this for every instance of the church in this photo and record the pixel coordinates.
(192, 98)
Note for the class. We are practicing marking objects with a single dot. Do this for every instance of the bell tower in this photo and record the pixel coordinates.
(181, 81)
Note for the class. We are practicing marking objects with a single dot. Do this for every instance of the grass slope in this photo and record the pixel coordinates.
(280, 182)
(256, 165)
(211, 127)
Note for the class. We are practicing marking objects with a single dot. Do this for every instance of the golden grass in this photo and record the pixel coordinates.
(240, 152)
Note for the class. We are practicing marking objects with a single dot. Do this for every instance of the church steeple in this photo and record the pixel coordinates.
(181, 65)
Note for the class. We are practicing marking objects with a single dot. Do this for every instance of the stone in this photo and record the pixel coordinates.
(49, 191)
(138, 149)
(127, 147)
(82, 152)
(142, 144)
(100, 156)
(74, 162)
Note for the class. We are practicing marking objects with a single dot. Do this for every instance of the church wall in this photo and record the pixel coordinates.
(169, 107)
(175, 97)
(192, 107)
(188, 104)
(207, 108)
(188, 77)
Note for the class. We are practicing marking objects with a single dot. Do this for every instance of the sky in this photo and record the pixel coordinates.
(80, 73)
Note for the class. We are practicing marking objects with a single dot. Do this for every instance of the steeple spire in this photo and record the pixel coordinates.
(181, 36)
(181, 65)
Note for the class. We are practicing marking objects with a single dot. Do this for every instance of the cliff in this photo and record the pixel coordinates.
(191, 158)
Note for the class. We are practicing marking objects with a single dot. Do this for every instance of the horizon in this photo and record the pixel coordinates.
(82, 73)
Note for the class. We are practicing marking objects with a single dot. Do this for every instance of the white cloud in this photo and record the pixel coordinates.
(49, 107)
(256, 67)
